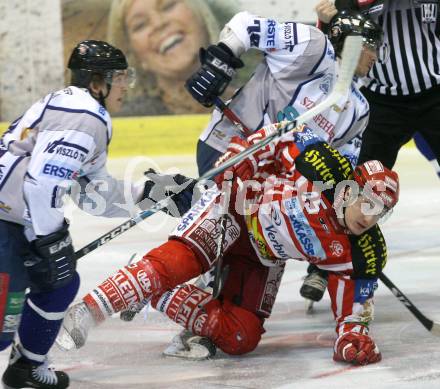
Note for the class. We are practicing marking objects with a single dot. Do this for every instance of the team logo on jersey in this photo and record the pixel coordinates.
(326, 84)
(373, 167)
(336, 248)
(429, 10)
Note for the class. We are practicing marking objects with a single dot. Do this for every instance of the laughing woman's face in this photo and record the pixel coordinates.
(165, 36)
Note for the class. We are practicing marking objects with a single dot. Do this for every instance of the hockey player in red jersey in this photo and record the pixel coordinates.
(297, 198)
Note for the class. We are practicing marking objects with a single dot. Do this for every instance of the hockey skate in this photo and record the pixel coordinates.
(186, 345)
(22, 373)
(75, 328)
(313, 288)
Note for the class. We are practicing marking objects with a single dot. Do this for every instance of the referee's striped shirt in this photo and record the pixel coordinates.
(413, 65)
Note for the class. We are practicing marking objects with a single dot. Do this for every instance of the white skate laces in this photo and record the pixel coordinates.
(44, 374)
(75, 328)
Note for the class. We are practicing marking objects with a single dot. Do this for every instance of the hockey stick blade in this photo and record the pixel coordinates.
(430, 325)
(351, 53)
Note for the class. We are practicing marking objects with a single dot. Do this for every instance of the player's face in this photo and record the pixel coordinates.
(357, 220)
(366, 61)
(165, 36)
(119, 84)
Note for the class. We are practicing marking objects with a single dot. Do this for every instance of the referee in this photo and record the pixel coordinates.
(402, 88)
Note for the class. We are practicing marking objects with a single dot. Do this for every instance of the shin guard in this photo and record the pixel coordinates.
(158, 271)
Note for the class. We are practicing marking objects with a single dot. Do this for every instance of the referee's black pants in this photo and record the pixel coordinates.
(393, 122)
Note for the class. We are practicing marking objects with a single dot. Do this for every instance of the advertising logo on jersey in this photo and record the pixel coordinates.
(271, 33)
(59, 170)
(321, 121)
(275, 215)
(194, 213)
(358, 94)
(367, 245)
(254, 33)
(336, 248)
(364, 289)
(272, 234)
(290, 36)
(206, 236)
(1, 171)
(67, 149)
(304, 233)
(257, 239)
(273, 282)
(305, 138)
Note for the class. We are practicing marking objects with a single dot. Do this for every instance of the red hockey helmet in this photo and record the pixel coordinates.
(383, 182)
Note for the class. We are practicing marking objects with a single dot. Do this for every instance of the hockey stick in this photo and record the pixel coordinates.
(430, 325)
(220, 273)
(232, 116)
(350, 58)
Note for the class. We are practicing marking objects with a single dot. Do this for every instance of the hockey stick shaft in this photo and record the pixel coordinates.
(430, 325)
(351, 53)
(232, 116)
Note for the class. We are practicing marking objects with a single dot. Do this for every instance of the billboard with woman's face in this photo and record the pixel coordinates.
(161, 39)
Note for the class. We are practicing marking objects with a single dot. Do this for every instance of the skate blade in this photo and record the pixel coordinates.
(195, 353)
(309, 306)
(64, 341)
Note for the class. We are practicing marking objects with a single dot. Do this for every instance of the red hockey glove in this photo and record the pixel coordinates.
(355, 346)
(244, 169)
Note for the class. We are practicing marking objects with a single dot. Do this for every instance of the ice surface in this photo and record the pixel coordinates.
(295, 352)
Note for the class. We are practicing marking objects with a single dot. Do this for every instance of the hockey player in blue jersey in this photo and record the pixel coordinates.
(60, 140)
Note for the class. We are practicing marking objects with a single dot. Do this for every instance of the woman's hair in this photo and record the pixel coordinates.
(213, 13)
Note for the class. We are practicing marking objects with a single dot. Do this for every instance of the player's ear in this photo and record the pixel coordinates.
(97, 84)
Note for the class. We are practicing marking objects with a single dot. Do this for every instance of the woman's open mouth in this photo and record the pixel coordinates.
(170, 42)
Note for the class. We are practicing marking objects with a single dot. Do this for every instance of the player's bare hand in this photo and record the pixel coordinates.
(326, 10)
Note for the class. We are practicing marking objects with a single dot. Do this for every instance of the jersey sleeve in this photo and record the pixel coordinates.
(101, 194)
(285, 149)
(282, 43)
(57, 160)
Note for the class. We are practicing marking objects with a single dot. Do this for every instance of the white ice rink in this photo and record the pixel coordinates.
(296, 351)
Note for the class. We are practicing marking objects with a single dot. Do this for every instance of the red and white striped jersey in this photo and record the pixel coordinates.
(290, 215)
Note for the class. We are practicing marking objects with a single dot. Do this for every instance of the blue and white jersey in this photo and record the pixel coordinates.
(299, 71)
(59, 141)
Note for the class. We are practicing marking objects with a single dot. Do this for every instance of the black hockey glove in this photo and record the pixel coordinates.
(218, 68)
(180, 188)
(53, 263)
